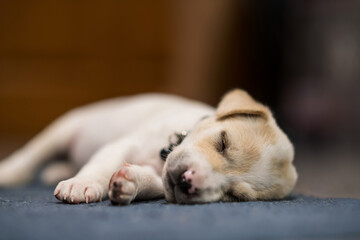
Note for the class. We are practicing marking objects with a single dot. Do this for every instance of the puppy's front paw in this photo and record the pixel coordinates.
(79, 190)
(123, 185)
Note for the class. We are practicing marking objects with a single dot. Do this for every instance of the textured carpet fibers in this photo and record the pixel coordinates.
(33, 213)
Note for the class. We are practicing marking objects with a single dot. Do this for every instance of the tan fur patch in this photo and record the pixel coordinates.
(240, 102)
(268, 133)
(283, 169)
(246, 139)
(243, 191)
(279, 167)
(206, 148)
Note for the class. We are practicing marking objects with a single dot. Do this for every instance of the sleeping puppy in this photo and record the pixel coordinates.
(233, 153)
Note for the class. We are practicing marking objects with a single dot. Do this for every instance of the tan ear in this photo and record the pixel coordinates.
(239, 102)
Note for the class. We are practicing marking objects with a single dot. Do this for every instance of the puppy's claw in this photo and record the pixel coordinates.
(79, 190)
(56, 192)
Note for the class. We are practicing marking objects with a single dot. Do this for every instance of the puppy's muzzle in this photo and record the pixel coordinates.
(183, 184)
(183, 181)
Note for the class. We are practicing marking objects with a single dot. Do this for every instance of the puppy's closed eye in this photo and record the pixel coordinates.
(222, 143)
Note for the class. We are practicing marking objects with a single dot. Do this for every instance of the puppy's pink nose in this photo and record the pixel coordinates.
(188, 179)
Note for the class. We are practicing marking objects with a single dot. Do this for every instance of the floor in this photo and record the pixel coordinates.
(33, 213)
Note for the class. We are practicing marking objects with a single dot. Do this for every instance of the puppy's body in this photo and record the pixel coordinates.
(126, 135)
(152, 116)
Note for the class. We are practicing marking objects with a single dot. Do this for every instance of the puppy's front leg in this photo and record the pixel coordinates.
(135, 182)
(91, 183)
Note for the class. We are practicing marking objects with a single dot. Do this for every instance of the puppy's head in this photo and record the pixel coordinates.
(238, 154)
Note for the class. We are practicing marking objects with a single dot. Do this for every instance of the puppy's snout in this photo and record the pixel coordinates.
(186, 183)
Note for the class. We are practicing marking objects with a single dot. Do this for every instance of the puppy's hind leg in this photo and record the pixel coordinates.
(57, 171)
(134, 182)
(19, 167)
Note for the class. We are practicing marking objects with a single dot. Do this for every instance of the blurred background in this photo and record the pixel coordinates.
(301, 58)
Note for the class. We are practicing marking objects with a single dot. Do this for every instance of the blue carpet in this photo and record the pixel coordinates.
(33, 213)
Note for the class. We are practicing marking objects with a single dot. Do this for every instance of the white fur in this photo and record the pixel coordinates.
(105, 135)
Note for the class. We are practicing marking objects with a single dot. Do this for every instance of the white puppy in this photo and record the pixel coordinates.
(232, 153)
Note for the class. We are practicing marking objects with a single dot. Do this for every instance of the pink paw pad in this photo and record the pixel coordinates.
(122, 186)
